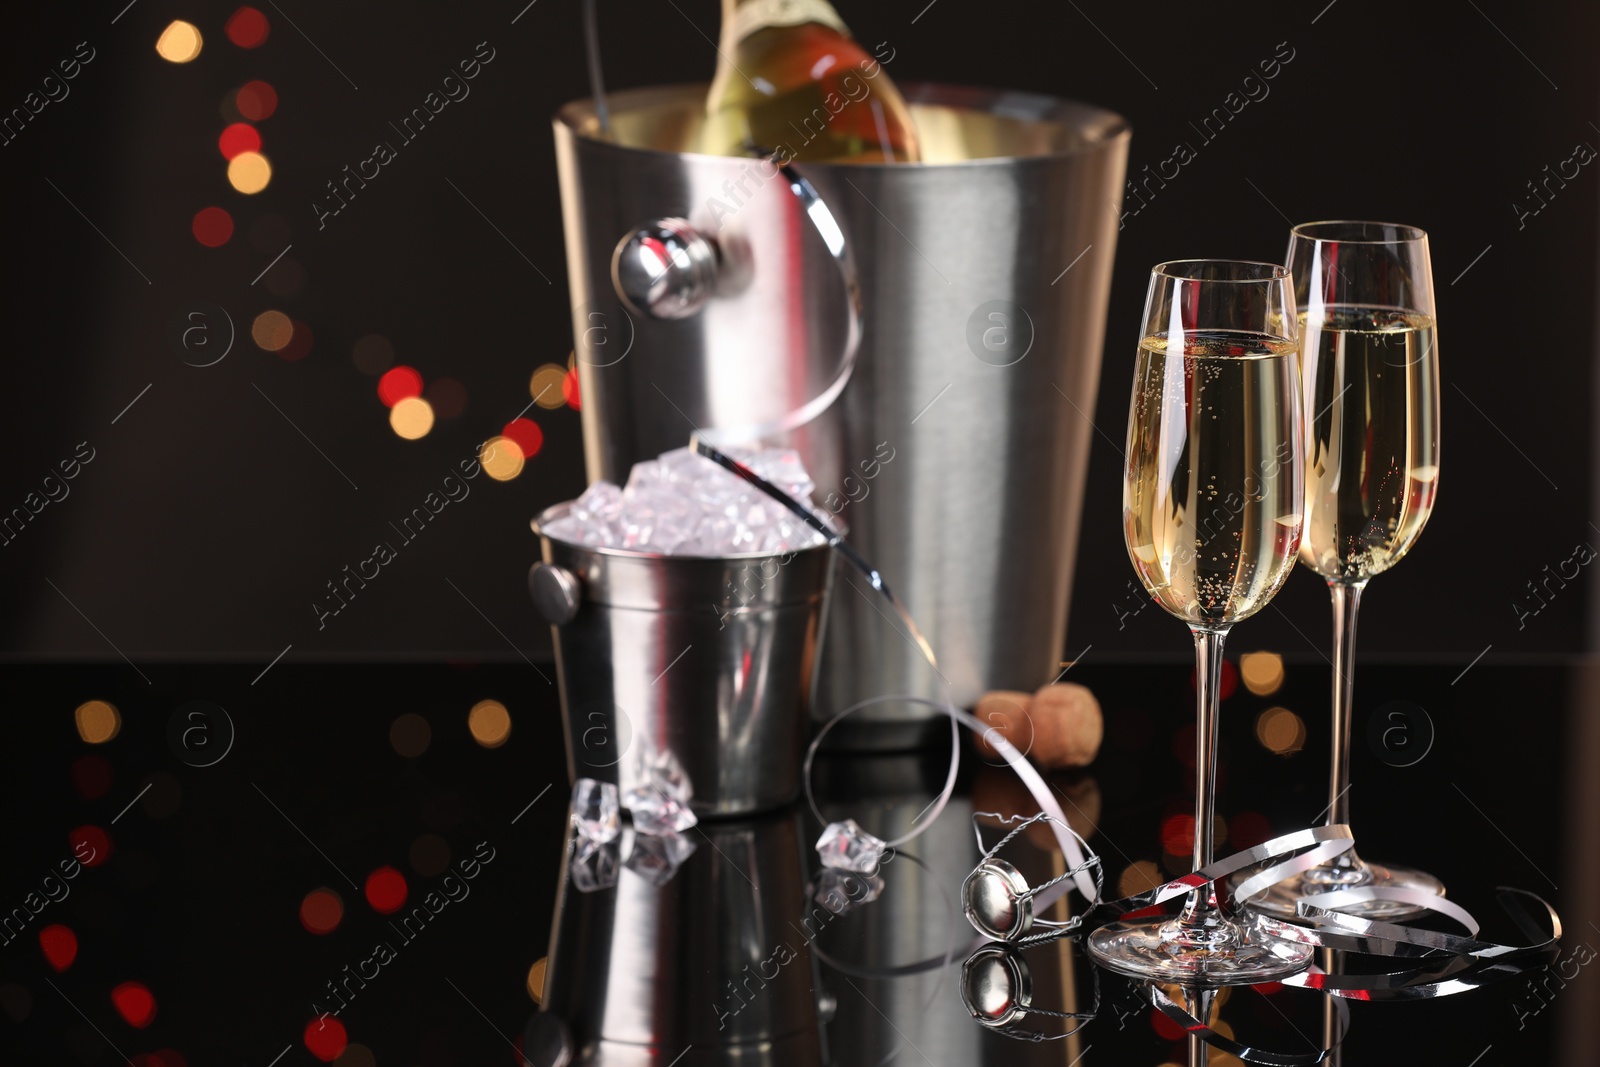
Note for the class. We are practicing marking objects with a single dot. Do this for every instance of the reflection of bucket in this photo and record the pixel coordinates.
(709, 659)
(717, 960)
(958, 449)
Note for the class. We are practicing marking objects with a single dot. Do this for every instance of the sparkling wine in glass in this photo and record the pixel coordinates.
(1371, 373)
(1212, 513)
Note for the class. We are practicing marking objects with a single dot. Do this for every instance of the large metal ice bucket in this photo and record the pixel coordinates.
(710, 660)
(957, 451)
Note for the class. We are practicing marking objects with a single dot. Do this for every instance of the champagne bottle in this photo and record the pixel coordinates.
(791, 81)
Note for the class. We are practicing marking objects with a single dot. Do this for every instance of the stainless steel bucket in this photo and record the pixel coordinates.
(957, 451)
(711, 660)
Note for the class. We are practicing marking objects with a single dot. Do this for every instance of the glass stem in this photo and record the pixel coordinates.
(1346, 600)
(1200, 910)
(1200, 1003)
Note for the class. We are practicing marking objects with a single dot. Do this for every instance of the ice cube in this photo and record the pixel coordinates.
(654, 813)
(846, 846)
(782, 467)
(595, 810)
(684, 504)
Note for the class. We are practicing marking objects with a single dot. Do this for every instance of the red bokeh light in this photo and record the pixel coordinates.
(1177, 834)
(238, 137)
(59, 945)
(299, 346)
(527, 435)
(386, 890)
(135, 1003)
(212, 227)
(569, 390)
(321, 911)
(1167, 1028)
(91, 776)
(90, 845)
(1248, 829)
(256, 100)
(398, 383)
(1227, 680)
(325, 1038)
(247, 28)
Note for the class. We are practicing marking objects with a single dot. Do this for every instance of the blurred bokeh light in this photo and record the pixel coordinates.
(398, 383)
(237, 138)
(249, 172)
(546, 386)
(97, 721)
(256, 100)
(410, 735)
(429, 855)
(247, 28)
(386, 890)
(448, 397)
(1262, 672)
(135, 1003)
(179, 42)
(527, 435)
(325, 1038)
(411, 418)
(212, 227)
(59, 945)
(501, 458)
(373, 354)
(272, 330)
(321, 911)
(1281, 731)
(490, 723)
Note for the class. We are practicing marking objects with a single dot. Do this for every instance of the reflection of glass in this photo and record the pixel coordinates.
(1370, 362)
(1211, 511)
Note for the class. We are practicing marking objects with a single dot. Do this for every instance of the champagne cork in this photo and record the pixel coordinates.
(1058, 726)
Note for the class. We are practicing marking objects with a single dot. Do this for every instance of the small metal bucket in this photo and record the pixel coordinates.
(709, 659)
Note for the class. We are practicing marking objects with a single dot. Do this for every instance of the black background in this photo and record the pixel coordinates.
(207, 525)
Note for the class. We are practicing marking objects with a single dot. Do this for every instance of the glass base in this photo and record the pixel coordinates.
(1280, 900)
(1232, 952)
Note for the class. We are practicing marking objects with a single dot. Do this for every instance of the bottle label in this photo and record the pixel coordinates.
(759, 14)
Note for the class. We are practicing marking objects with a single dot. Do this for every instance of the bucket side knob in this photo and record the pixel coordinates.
(665, 269)
(555, 593)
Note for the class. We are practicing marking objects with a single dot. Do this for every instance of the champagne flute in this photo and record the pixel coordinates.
(1371, 373)
(1211, 512)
